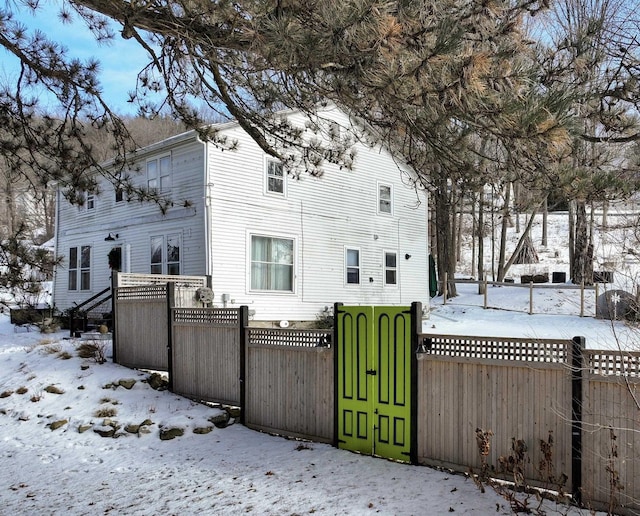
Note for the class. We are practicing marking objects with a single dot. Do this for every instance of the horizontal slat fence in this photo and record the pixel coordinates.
(205, 353)
(289, 383)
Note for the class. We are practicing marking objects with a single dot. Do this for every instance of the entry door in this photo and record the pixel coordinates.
(374, 372)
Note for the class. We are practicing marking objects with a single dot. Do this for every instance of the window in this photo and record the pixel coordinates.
(165, 254)
(390, 268)
(119, 194)
(275, 177)
(271, 263)
(173, 254)
(87, 201)
(352, 258)
(73, 268)
(159, 174)
(385, 198)
(80, 268)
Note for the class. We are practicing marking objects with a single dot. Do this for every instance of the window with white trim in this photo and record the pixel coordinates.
(275, 178)
(385, 198)
(272, 261)
(390, 268)
(352, 266)
(80, 268)
(159, 173)
(165, 254)
(87, 202)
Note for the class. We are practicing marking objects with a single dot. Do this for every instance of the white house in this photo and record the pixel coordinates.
(286, 247)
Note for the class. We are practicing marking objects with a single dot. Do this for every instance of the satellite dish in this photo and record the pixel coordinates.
(204, 295)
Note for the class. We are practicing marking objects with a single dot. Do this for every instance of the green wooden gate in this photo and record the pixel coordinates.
(376, 374)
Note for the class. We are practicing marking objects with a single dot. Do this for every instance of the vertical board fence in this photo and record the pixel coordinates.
(517, 389)
(141, 321)
(611, 430)
(523, 392)
(205, 351)
(288, 383)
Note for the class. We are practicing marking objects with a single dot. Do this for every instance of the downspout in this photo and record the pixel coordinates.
(207, 213)
(56, 236)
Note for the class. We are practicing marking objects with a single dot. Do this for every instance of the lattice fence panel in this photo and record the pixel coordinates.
(539, 350)
(290, 337)
(207, 316)
(613, 363)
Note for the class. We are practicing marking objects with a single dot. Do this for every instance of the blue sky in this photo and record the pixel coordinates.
(120, 59)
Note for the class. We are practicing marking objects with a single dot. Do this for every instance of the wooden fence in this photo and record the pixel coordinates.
(141, 305)
(575, 411)
(289, 383)
(205, 353)
(555, 415)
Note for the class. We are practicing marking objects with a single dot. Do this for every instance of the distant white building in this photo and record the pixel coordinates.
(285, 247)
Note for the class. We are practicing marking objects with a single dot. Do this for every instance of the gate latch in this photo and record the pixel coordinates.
(372, 372)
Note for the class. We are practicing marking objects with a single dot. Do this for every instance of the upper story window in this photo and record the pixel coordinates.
(352, 266)
(159, 173)
(275, 178)
(385, 198)
(87, 202)
(271, 263)
(119, 193)
(390, 268)
(80, 268)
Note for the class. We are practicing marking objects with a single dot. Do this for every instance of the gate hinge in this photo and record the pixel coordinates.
(372, 372)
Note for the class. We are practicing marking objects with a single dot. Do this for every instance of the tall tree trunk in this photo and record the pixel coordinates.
(545, 221)
(474, 231)
(446, 262)
(480, 230)
(582, 265)
(572, 236)
(506, 217)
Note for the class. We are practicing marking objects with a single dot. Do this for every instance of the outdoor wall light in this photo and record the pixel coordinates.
(407, 256)
(111, 237)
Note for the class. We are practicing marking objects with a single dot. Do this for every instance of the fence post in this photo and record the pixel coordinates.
(171, 301)
(444, 289)
(486, 295)
(577, 365)
(336, 349)
(243, 323)
(531, 298)
(114, 323)
(416, 332)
